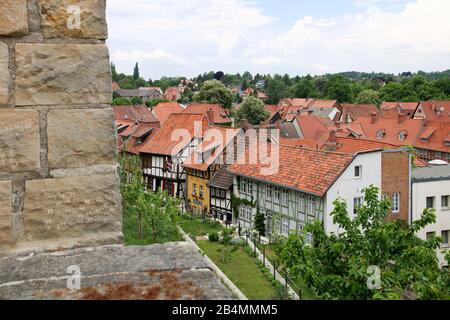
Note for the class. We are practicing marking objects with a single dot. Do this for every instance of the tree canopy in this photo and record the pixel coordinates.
(253, 110)
(214, 92)
(371, 258)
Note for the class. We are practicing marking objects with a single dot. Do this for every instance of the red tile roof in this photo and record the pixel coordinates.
(323, 104)
(172, 94)
(220, 115)
(163, 110)
(133, 113)
(143, 131)
(354, 111)
(354, 146)
(164, 144)
(436, 110)
(209, 143)
(296, 102)
(314, 171)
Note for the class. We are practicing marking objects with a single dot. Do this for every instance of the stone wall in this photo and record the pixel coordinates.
(59, 185)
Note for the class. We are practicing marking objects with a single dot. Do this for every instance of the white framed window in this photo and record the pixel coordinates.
(243, 186)
(269, 192)
(311, 205)
(284, 197)
(246, 213)
(357, 202)
(445, 235)
(194, 189)
(285, 226)
(396, 202)
(202, 193)
(358, 171)
(302, 203)
(277, 194)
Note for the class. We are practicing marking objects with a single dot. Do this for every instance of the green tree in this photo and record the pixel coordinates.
(136, 72)
(276, 90)
(253, 110)
(339, 88)
(368, 96)
(342, 266)
(155, 213)
(304, 89)
(227, 236)
(215, 92)
(136, 101)
(122, 102)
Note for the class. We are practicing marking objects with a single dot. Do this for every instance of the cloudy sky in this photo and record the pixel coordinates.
(188, 37)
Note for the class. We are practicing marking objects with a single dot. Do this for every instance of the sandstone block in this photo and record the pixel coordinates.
(73, 18)
(76, 207)
(5, 212)
(19, 140)
(4, 73)
(52, 74)
(80, 138)
(13, 18)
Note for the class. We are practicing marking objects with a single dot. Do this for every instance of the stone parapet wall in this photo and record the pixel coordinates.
(59, 186)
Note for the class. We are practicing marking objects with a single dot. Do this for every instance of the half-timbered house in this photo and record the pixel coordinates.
(170, 147)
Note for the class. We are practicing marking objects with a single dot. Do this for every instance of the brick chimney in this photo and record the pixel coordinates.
(332, 136)
(401, 118)
(374, 117)
(210, 115)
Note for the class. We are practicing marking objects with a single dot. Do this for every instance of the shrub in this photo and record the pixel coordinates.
(213, 237)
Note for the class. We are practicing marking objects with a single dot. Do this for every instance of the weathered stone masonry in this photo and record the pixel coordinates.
(58, 160)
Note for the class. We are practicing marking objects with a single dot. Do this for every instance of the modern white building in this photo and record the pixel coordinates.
(431, 189)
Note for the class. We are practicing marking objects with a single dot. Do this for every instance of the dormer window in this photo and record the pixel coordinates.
(402, 136)
(381, 134)
(138, 141)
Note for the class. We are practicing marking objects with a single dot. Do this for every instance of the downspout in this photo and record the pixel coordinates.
(410, 203)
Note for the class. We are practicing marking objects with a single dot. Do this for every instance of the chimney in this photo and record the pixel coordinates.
(374, 117)
(310, 112)
(332, 136)
(210, 115)
(401, 118)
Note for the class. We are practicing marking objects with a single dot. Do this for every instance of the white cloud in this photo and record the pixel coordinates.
(172, 37)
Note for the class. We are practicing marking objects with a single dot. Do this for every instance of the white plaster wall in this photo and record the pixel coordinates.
(347, 187)
(420, 192)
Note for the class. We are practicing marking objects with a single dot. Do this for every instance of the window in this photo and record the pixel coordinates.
(402, 136)
(302, 203)
(201, 192)
(395, 202)
(277, 194)
(358, 171)
(311, 205)
(246, 187)
(284, 197)
(430, 202)
(444, 202)
(357, 202)
(383, 197)
(269, 192)
(309, 238)
(285, 226)
(445, 238)
(246, 213)
(243, 186)
(431, 235)
(194, 189)
(381, 134)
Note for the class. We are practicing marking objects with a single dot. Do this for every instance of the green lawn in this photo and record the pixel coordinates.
(198, 227)
(242, 270)
(131, 238)
(307, 292)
